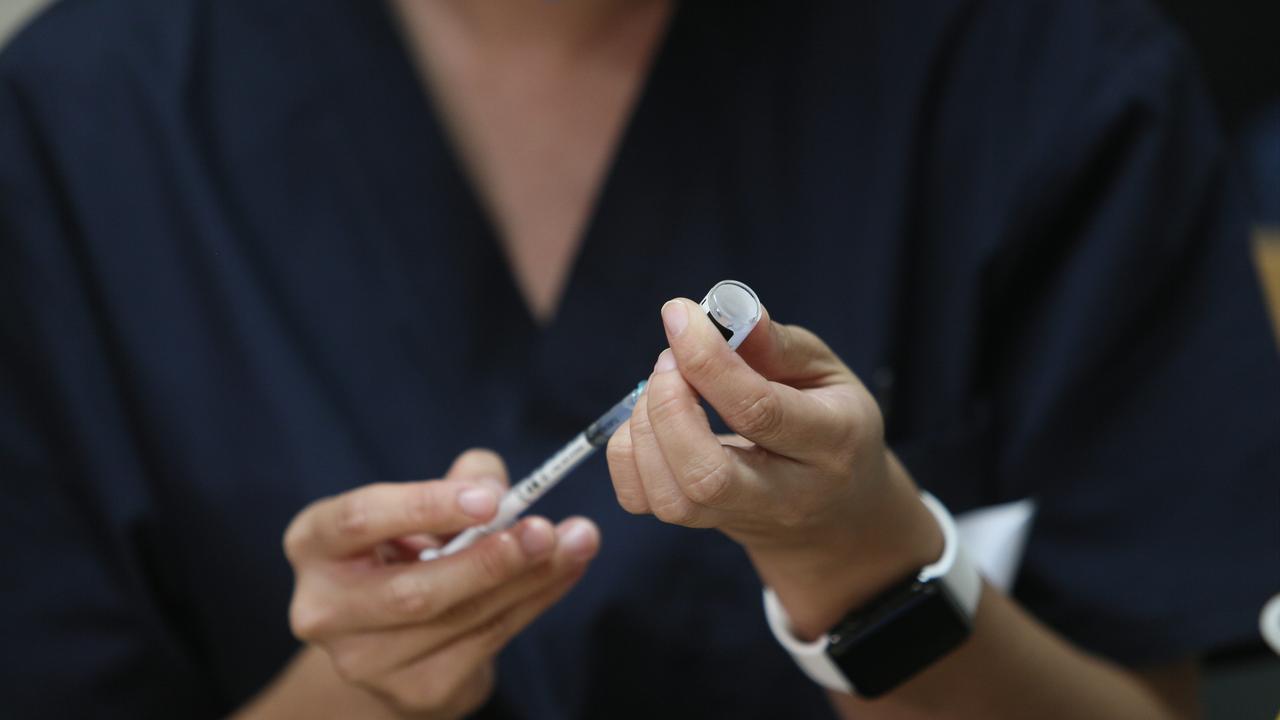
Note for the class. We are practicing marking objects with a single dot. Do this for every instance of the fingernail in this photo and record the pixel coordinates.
(666, 362)
(580, 540)
(536, 538)
(499, 486)
(478, 503)
(675, 317)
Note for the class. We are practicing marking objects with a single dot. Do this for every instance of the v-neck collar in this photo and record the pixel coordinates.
(631, 123)
(444, 259)
(473, 223)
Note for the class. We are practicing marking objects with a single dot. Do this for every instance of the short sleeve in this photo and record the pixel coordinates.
(1137, 387)
(82, 631)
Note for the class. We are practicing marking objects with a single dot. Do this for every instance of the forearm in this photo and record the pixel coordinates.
(1014, 666)
(1011, 665)
(831, 520)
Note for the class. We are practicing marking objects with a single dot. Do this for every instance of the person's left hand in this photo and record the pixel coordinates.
(807, 487)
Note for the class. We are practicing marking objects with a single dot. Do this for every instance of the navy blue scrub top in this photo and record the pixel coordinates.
(241, 269)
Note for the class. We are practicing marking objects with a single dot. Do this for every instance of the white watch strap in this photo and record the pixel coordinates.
(955, 567)
(956, 571)
(810, 656)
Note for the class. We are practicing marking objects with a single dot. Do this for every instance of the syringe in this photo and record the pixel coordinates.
(731, 306)
(528, 490)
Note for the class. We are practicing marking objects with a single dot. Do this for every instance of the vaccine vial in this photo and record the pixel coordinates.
(734, 309)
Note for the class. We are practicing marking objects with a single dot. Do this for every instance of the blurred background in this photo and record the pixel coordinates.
(1238, 43)
(14, 12)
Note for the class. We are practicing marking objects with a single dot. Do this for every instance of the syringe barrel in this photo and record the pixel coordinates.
(599, 432)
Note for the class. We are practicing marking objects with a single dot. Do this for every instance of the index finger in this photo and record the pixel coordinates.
(357, 520)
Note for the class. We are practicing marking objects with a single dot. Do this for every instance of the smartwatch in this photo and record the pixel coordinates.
(900, 632)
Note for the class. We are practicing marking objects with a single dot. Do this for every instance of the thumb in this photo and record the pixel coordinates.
(791, 354)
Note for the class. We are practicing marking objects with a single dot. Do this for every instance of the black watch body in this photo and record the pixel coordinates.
(899, 633)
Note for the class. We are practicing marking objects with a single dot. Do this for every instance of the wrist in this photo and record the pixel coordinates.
(310, 687)
(873, 540)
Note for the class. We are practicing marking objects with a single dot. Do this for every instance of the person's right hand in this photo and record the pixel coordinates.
(423, 635)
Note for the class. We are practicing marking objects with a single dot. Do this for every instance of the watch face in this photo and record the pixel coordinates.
(897, 635)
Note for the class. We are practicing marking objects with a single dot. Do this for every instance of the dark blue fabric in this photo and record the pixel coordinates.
(240, 270)
(1260, 146)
